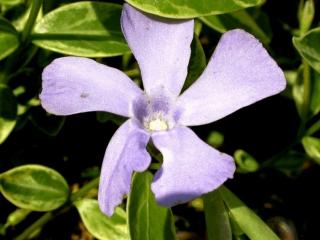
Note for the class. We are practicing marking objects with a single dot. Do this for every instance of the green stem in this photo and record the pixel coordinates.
(52, 214)
(36, 225)
(85, 189)
(35, 8)
(314, 128)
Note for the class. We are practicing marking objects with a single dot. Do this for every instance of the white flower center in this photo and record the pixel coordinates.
(157, 125)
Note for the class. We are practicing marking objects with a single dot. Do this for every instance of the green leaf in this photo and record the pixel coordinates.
(315, 93)
(34, 187)
(191, 9)
(88, 29)
(217, 219)
(306, 15)
(8, 112)
(100, 225)
(312, 147)
(247, 220)
(240, 19)
(246, 163)
(197, 62)
(309, 47)
(9, 38)
(147, 220)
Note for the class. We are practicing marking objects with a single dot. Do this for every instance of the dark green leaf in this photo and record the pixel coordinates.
(147, 220)
(34, 187)
(8, 112)
(217, 219)
(191, 9)
(100, 225)
(247, 220)
(89, 29)
(240, 19)
(9, 38)
(197, 62)
(309, 47)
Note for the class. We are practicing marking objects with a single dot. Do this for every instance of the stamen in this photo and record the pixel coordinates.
(158, 125)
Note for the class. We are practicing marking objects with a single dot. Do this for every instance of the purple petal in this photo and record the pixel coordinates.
(161, 47)
(239, 73)
(190, 167)
(125, 153)
(74, 84)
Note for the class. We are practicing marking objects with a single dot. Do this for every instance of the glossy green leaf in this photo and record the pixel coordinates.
(34, 187)
(240, 19)
(89, 29)
(8, 112)
(197, 62)
(147, 220)
(312, 147)
(247, 220)
(191, 9)
(217, 219)
(246, 163)
(9, 38)
(100, 225)
(315, 93)
(309, 47)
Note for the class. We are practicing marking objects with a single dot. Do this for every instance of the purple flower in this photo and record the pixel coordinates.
(239, 73)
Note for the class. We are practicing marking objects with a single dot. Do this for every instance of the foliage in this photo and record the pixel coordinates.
(45, 167)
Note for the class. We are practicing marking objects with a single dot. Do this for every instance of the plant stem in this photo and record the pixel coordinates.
(35, 8)
(85, 189)
(314, 128)
(52, 214)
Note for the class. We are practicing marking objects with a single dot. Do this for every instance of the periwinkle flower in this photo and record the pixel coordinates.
(239, 73)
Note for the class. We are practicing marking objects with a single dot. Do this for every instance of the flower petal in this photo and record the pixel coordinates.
(125, 153)
(190, 167)
(161, 47)
(74, 84)
(239, 73)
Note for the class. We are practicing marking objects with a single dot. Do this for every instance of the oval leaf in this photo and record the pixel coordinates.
(8, 112)
(246, 219)
(9, 38)
(88, 29)
(34, 187)
(309, 47)
(100, 225)
(191, 9)
(147, 220)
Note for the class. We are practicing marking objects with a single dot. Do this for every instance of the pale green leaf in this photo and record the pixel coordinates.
(100, 225)
(34, 187)
(89, 29)
(309, 47)
(191, 9)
